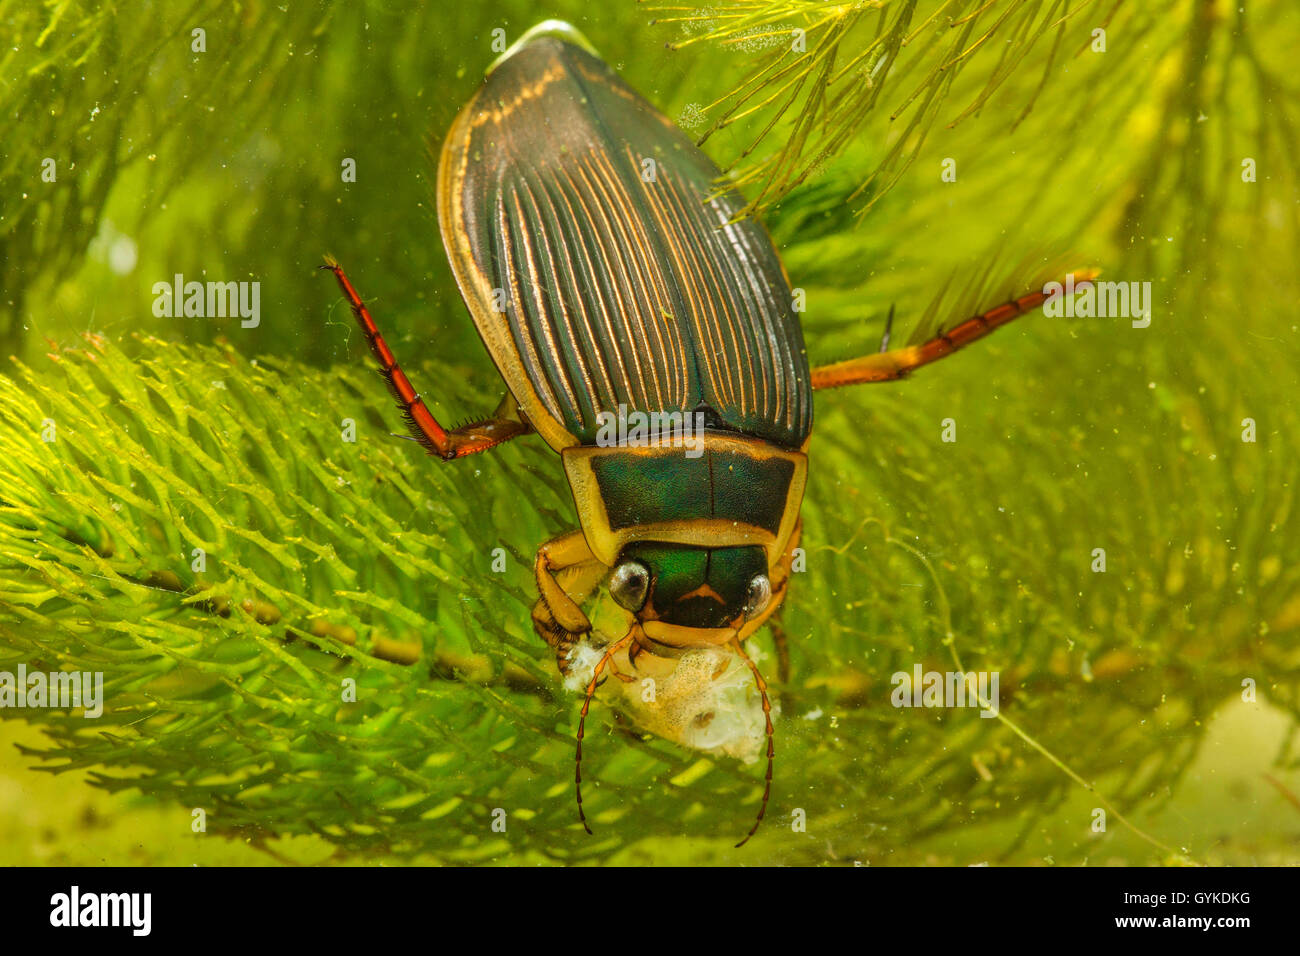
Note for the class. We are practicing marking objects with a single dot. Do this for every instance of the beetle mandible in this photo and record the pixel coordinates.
(602, 283)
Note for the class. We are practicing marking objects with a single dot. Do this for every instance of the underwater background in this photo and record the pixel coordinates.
(911, 154)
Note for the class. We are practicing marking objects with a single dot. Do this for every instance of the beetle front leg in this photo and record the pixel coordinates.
(557, 616)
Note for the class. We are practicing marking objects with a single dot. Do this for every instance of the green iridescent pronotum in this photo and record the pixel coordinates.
(612, 282)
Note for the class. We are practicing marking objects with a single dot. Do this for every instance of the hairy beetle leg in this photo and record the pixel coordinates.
(447, 445)
(891, 365)
(556, 637)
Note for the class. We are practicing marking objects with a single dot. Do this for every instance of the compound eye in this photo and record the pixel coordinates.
(759, 596)
(629, 585)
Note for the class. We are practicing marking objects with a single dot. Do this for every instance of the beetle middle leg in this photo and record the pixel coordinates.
(447, 444)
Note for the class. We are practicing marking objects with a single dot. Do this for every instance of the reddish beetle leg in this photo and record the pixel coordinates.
(456, 443)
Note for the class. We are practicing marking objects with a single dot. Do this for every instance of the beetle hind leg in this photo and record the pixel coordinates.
(447, 444)
(889, 365)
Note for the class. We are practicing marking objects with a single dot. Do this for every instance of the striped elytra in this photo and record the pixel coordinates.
(569, 200)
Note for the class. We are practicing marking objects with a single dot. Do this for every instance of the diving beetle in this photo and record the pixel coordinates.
(605, 271)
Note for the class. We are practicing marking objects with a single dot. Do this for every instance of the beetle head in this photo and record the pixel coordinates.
(686, 586)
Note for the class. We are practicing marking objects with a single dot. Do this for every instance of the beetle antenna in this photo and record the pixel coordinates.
(582, 721)
(771, 749)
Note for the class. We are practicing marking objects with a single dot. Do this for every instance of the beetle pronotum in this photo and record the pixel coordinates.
(595, 288)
